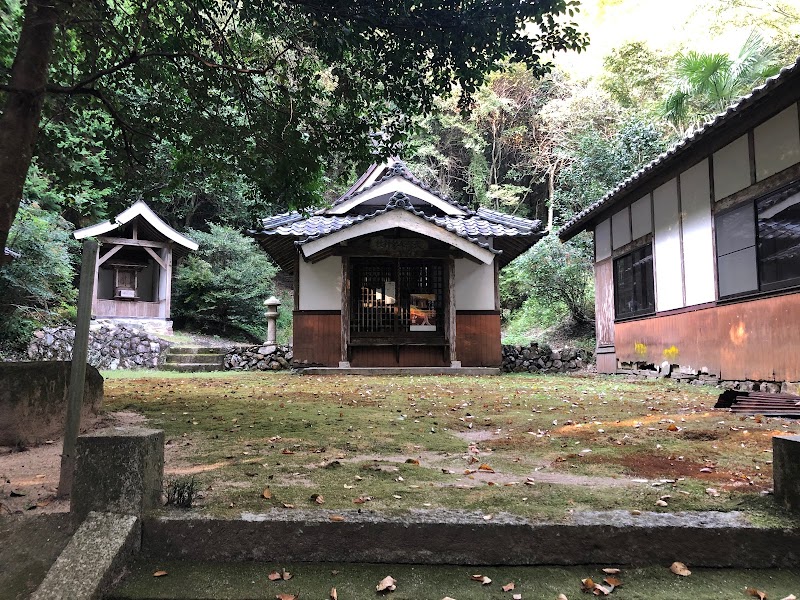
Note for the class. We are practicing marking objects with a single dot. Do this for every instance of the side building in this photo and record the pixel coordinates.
(395, 274)
(697, 255)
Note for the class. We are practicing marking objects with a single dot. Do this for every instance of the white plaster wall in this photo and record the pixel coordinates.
(474, 285)
(667, 247)
(602, 240)
(698, 245)
(777, 143)
(731, 168)
(641, 217)
(321, 284)
(620, 228)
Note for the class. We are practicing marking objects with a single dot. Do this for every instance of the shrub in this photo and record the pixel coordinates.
(37, 288)
(221, 288)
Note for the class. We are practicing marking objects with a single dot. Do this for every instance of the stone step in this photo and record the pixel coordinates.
(191, 367)
(204, 358)
(197, 350)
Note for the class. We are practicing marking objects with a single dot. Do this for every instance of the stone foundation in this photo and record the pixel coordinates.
(702, 377)
(111, 346)
(536, 358)
(259, 358)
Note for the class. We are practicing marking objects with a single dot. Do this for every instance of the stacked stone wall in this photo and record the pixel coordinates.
(110, 346)
(259, 358)
(536, 358)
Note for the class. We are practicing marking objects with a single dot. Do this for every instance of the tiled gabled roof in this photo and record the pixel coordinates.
(662, 161)
(399, 169)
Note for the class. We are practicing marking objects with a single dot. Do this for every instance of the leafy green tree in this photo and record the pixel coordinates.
(705, 84)
(635, 76)
(274, 88)
(37, 288)
(221, 287)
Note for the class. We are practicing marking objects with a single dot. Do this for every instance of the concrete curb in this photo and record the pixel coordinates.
(425, 541)
(93, 559)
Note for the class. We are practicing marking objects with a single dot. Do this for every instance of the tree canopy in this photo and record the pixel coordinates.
(274, 88)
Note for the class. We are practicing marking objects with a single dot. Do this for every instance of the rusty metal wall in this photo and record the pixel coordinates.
(758, 339)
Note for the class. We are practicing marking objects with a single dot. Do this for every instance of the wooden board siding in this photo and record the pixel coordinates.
(121, 309)
(410, 356)
(756, 339)
(478, 338)
(604, 302)
(317, 336)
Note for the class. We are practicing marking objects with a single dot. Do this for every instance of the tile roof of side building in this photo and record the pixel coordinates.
(577, 224)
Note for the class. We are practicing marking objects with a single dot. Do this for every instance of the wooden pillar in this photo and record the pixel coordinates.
(451, 311)
(168, 282)
(77, 371)
(344, 362)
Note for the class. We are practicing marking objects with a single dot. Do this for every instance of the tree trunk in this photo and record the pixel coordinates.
(19, 123)
(551, 191)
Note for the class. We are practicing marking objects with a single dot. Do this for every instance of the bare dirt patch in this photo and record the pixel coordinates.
(29, 478)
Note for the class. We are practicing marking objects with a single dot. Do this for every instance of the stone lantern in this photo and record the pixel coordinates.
(272, 304)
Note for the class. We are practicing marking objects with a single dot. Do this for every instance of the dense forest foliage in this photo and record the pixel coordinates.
(211, 148)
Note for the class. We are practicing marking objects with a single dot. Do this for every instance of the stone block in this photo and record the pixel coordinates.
(118, 470)
(33, 400)
(786, 470)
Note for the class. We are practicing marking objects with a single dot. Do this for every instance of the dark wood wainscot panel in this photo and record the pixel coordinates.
(756, 339)
(318, 336)
(478, 338)
(409, 356)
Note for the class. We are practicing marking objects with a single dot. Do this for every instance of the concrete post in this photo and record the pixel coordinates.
(786, 470)
(272, 304)
(119, 470)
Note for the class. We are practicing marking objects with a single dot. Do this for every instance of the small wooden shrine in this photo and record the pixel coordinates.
(133, 276)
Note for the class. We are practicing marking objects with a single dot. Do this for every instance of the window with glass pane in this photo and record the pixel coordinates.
(779, 239)
(736, 251)
(396, 296)
(633, 283)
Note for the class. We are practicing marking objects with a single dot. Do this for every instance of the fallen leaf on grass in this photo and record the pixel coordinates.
(483, 579)
(790, 596)
(287, 451)
(318, 498)
(448, 598)
(601, 590)
(387, 584)
(362, 499)
(336, 518)
(516, 597)
(680, 569)
(286, 597)
(274, 576)
(267, 493)
(613, 581)
(286, 505)
(285, 575)
(661, 503)
(672, 427)
(562, 597)
(159, 573)
(412, 461)
(508, 587)
(587, 585)
(610, 571)
(712, 492)
(333, 594)
(486, 468)
(757, 593)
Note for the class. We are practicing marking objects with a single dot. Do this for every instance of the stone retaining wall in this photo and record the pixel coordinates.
(259, 358)
(110, 346)
(536, 358)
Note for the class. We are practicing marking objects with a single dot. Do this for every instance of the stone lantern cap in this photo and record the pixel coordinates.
(272, 301)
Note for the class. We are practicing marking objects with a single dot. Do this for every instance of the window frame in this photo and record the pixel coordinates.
(761, 289)
(649, 309)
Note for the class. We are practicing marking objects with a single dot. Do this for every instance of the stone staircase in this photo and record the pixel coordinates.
(194, 359)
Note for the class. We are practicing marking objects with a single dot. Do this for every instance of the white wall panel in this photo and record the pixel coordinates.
(698, 244)
(321, 284)
(620, 228)
(474, 285)
(602, 240)
(777, 143)
(667, 250)
(641, 217)
(731, 168)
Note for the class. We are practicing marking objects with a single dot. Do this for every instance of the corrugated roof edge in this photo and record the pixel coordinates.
(574, 226)
(400, 201)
